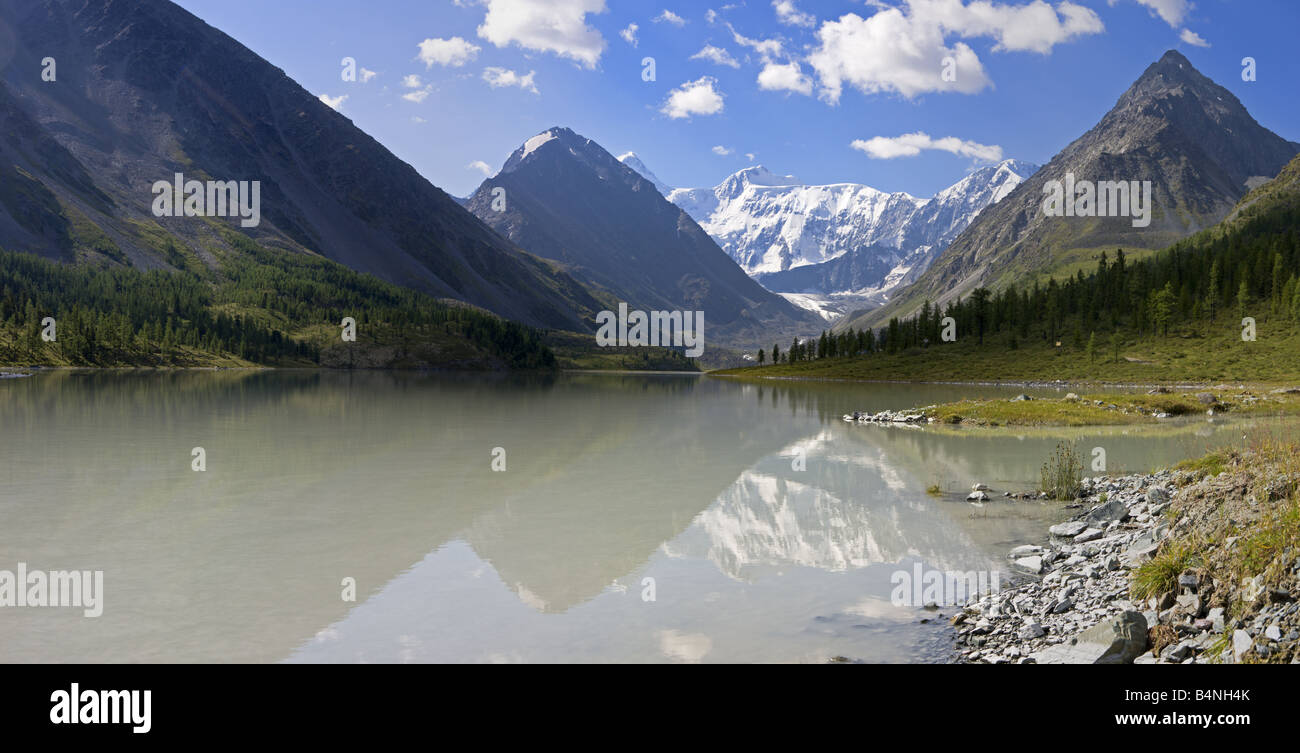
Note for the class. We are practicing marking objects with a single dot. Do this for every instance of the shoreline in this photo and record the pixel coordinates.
(1083, 605)
(1036, 384)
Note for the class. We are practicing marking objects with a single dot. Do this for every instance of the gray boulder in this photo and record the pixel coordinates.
(1119, 640)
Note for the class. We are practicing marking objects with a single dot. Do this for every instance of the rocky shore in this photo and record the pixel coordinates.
(1158, 530)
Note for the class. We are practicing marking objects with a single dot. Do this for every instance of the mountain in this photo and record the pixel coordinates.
(143, 90)
(569, 200)
(1191, 138)
(631, 160)
(839, 238)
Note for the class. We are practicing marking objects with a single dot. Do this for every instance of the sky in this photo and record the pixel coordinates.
(906, 95)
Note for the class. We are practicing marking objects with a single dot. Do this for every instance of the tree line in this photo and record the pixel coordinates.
(260, 306)
(1251, 269)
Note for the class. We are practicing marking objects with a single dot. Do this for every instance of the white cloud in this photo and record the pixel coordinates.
(481, 166)
(710, 15)
(1192, 38)
(419, 95)
(333, 102)
(722, 151)
(499, 77)
(906, 50)
(787, 77)
(789, 15)
(629, 34)
(669, 17)
(412, 81)
(1171, 12)
(453, 52)
(912, 144)
(716, 55)
(697, 97)
(366, 75)
(749, 156)
(766, 48)
(558, 26)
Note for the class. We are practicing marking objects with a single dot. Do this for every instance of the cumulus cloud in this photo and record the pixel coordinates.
(907, 50)
(333, 102)
(784, 77)
(499, 77)
(556, 26)
(481, 166)
(699, 97)
(716, 55)
(722, 151)
(453, 52)
(789, 15)
(412, 81)
(912, 144)
(629, 34)
(670, 18)
(1192, 38)
(366, 75)
(419, 95)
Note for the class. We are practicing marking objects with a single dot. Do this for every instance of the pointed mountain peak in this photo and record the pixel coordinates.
(634, 162)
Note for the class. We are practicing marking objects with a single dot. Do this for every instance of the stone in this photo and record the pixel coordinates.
(1032, 564)
(980, 487)
(1206, 398)
(977, 497)
(1021, 398)
(1027, 550)
(1090, 534)
(1118, 640)
(1157, 495)
(1273, 633)
(1241, 644)
(1114, 509)
(1031, 631)
(1068, 530)
(1215, 617)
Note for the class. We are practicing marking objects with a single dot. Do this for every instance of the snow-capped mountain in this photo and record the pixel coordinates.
(631, 160)
(843, 237)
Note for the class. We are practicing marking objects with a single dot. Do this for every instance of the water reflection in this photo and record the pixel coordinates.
(610, 480)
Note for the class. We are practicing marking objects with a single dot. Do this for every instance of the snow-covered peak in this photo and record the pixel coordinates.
(771, 224)
(631, 160)
(536, 142)
(761, 176)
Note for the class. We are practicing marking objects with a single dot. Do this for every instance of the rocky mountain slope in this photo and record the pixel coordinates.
(1191, 138)
(144, 90)
(567, 199)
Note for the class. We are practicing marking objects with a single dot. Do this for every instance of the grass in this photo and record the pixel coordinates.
(1062, 474)
(1159, 576)
(934, 490)
(1210, 464)
(1196, 352)
(1108, 408)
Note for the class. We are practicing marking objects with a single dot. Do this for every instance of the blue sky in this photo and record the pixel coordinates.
(800, 83)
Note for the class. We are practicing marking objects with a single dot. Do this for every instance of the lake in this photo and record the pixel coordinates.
(631, 518)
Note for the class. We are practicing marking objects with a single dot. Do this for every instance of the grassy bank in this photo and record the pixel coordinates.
(1235, 530)
(1114, 408)
(1200, 352)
